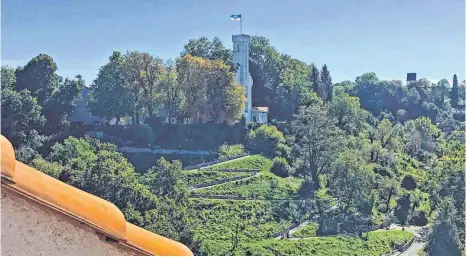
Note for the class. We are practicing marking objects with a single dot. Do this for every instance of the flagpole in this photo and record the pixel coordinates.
(241, 24)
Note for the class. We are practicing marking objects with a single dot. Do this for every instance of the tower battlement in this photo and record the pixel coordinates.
(240, 37)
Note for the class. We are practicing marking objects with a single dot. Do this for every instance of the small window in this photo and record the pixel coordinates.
(254, 119)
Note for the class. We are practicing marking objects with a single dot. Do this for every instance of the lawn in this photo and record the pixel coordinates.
(266, 186)
(194, 178)
(377, 244)
(250, 162)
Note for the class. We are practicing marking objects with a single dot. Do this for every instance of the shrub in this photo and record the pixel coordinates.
(265, 140)
(143, 135)
(228, 151)
(280, 167)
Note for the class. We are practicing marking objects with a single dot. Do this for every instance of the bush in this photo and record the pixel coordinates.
(264, 139)
(280, 167)
(143, 135)
(229, 151)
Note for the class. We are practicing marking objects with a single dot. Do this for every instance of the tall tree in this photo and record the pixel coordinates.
(110, 95)
(209, 50)
(443, 238)
(173, 97)
(346, 109)
(210, 89)
(8, 78)
(326, 86)
(38, 76)
(315, 78)
(143, 73)
(317, 138)
(454, 94)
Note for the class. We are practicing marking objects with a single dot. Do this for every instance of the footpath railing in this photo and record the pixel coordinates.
(237, 170)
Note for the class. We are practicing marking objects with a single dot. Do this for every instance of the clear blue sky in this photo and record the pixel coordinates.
(389, 37)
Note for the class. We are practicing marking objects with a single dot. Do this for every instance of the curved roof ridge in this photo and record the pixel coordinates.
(90, 209)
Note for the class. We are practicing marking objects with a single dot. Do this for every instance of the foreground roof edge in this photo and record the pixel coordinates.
(96, 212)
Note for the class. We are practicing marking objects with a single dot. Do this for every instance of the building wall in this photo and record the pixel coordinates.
(241, 62)
(29, 228)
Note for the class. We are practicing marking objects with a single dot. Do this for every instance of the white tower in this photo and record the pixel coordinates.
(241, 62)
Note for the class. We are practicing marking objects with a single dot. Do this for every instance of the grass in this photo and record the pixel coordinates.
(308, 230)
(194, 178)
(217, 220)
(266, 186)
(249, 162)
(377, 244)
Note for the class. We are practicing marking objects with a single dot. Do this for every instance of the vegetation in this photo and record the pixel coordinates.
(309, 230)
(356, 153)
(377, 243)
(266, 186)
(253, 162)
(229, 151)
(195, 178)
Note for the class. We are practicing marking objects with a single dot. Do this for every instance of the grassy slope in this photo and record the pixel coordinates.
(218, 219)
(194, 178)
(267, 186)
(378, 243)
(249, 162)
(261, 187)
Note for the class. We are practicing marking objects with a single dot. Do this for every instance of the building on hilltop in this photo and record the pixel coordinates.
(241, 62)
(44, 216)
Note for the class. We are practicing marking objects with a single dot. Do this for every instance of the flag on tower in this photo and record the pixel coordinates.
(236, 17)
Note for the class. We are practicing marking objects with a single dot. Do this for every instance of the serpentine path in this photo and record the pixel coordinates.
(226, 182)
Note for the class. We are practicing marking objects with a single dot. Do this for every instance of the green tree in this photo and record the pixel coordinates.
(173, 97)
(326, 86)
(352, 180)
(443, 237)
(264, 139)
(454, 92)
(316, 139)
(210, 50)
(39, 77)
(143, 72)
(350, 116)
(8, 77)
(315, 78)
(20, 114)
(110, 95)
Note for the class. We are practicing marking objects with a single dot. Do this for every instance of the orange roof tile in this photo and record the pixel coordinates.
(92, 210)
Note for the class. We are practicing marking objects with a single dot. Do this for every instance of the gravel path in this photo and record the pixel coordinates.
(233, 180)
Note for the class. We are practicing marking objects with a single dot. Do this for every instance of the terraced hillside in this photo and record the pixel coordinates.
(252, 222)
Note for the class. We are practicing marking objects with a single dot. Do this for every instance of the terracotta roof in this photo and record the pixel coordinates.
(260, 109)
(92, 210)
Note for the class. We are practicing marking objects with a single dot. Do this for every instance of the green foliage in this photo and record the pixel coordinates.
(264, 140)
(110, 90)
(280, 167)
(249, 162)
(228, 151)
(309, 230)
(266, 186)
(377, 243)
(143, 135)
(443, 237)
(194, 178)
(219, 216)
(20, 114)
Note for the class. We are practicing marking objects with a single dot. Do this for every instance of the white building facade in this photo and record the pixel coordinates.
(241, 62)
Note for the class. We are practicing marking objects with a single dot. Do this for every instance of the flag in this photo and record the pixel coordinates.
(236, 17)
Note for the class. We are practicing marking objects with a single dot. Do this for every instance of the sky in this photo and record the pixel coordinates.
(388, 37)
